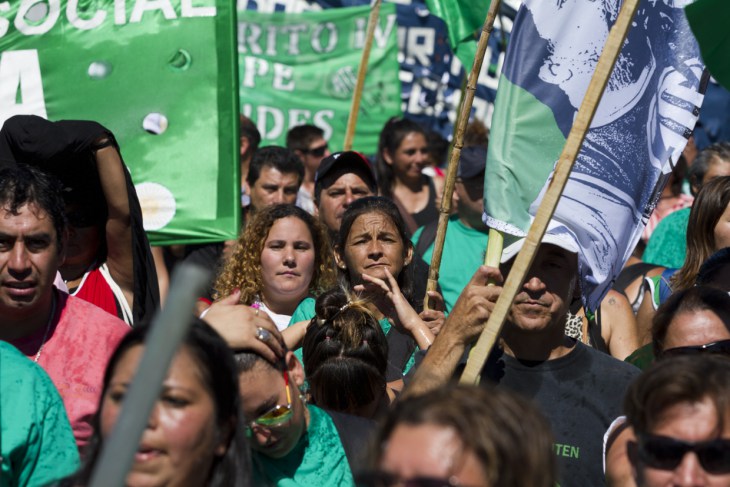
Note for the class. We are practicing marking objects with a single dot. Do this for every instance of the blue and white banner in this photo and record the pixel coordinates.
(642, 124)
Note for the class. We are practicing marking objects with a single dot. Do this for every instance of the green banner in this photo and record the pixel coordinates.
(302, 68)
(161, 74)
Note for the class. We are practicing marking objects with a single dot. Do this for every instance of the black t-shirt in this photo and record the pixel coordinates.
(580, 394)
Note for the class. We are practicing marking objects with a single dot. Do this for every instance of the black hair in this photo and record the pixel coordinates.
(220, 377)
(696, 298)
(345, 353)
(391, 137)
(247, 129)
(386, 207)
(280, 158)
(299, 137)
(22, 184)
(711, 270)
(717, 152)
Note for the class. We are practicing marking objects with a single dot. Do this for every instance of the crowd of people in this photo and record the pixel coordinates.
(312, 358)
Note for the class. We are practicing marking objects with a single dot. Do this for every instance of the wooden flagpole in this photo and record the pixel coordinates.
(451, 169)
(524, 259)
(361, 72)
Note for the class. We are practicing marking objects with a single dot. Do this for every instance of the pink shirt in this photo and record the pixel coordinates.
(80, 341)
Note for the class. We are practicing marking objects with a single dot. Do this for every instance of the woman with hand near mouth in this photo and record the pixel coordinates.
(281, 259)
(374, 256)
(195, 435)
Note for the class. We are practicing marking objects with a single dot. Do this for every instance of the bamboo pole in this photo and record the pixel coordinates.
(524, 259)
(361, 72)
(451, 169)
(168, 331)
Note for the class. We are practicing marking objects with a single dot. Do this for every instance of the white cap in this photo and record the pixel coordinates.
(563, 242)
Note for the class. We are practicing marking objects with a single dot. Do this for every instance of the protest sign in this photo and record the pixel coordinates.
(640, 128)
(159, 74)
(430, 75)
(302, 68)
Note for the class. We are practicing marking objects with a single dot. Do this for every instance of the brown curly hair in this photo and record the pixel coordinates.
(243, 269)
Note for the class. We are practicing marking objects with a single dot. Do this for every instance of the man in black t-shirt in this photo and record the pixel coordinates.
(577, 388)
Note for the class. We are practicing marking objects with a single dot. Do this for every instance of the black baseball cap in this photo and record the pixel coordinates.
(472, 162)
(339, 163)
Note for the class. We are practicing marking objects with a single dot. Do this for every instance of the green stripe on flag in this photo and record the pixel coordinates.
(524, 144)
(710, 23)
(464, 20)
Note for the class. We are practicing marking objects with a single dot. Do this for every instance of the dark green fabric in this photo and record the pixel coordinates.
(642, 357)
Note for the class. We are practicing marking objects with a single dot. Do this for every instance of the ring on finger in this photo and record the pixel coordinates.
(263, 334)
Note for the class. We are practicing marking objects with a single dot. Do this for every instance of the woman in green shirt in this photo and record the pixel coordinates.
(293, 443)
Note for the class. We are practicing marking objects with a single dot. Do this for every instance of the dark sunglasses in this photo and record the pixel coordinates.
(316, 151)
(722, 347)
(378, 478)
(664, 453)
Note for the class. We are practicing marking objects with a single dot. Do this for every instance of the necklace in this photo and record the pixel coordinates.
(48, 328)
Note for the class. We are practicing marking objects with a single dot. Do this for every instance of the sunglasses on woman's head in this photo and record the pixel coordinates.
(665, 453)
(721, 347)
(276, 416)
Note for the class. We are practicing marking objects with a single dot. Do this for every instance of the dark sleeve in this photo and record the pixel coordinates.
(400, 349)
(356, 435)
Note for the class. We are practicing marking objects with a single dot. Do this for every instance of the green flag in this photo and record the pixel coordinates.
(302, 68)
(709, 20)
(161, 75)
(464, 19)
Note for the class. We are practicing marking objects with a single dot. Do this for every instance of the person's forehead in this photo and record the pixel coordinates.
(374, 220)
(316, 142)
(32, 215)
(350, 179)
(271, 174)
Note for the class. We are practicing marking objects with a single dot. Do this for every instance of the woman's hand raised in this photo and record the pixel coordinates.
(399, 310)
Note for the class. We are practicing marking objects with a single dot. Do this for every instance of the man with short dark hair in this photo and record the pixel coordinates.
(274, 177)
(578, 388)
(680, 412)
(70, 338)
(309, 144)
(342, 178)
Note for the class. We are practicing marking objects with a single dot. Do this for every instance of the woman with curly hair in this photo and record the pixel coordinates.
(280, 259)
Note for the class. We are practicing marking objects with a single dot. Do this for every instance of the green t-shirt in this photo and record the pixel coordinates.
(318, 459)
(667, 245)
(463, 253)
(37, 444)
